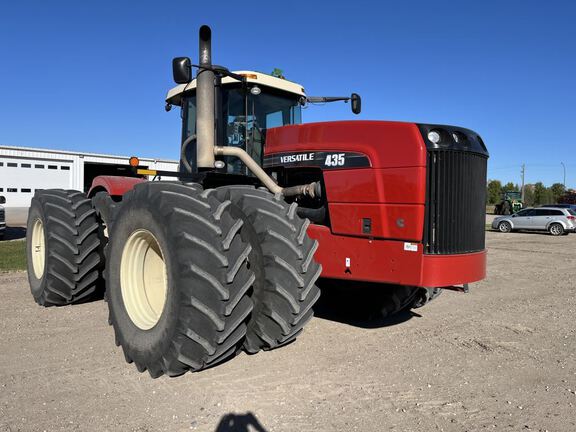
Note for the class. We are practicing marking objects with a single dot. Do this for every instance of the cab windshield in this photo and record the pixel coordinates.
(514, 195)
(245, 119)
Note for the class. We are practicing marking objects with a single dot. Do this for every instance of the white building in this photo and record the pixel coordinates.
(24, 170)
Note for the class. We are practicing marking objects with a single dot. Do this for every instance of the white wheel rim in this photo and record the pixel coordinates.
(555, 229)
(38, 249)
(143, 281)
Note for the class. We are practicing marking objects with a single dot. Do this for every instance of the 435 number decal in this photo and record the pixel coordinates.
(323, 159)
(335, 159)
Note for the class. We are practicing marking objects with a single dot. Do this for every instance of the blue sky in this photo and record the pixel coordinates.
(92, 76)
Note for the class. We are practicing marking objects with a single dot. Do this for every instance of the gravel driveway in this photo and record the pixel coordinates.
(499, 358)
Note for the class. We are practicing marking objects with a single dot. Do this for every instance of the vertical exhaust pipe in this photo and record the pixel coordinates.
(205, 125)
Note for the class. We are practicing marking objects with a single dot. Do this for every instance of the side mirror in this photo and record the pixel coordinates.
(356, 103)
(2, 199)
(181, 70)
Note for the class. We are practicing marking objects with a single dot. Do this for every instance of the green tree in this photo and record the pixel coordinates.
(529, 196)
(278, 73)
(557, 190)
(511, 187)
(542, 195)
(494, 191)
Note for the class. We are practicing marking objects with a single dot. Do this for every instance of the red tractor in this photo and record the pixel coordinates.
(226, 256)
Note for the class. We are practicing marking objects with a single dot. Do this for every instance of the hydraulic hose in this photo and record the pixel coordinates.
(183, 157)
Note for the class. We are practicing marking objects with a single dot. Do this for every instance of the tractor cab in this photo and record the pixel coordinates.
(244, 113)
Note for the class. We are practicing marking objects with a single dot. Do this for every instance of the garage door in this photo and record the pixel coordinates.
(20, 177)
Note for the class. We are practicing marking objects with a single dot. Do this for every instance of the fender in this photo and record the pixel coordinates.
(561, 222)
(114, 185)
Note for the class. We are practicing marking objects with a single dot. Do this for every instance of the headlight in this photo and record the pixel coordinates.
(434, 136)
(460, 138)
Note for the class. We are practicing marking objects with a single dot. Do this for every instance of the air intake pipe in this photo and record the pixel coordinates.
(206, 148)
(205, 131)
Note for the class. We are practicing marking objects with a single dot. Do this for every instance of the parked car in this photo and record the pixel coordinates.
(568, 206)
(556, 221)
(2, 218)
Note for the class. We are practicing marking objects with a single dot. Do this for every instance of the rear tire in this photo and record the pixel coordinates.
(283, 261)
(105, 209)
(364, 302)
(196, 277)
(556, 229)
(63, 248)
(425, 296)
(396, 299)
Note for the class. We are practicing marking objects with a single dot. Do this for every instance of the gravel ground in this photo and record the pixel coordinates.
(499, 358)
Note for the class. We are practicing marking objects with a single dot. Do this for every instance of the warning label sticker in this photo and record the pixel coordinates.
(411, 247)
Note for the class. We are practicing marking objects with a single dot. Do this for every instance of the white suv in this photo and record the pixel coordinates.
(556, 221)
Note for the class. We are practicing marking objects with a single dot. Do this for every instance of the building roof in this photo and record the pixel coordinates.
(174, 94)
(76, 153)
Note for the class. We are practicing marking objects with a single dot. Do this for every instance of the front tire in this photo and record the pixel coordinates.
(504, 227)
(283, 261)
(178, 280)
(63, 248)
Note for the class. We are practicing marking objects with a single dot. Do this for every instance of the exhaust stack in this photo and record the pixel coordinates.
(205, 126)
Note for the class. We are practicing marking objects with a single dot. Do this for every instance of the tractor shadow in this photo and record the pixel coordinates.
(14, 233)
(356, 304)
(240, 423)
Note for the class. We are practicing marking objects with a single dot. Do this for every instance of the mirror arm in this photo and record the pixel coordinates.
(320, 99)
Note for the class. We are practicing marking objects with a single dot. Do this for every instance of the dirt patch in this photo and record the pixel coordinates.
(498, 358)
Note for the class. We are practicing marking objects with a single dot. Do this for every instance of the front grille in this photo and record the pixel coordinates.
(456, 202)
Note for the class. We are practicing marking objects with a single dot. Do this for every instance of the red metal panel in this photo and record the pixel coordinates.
(392, 221)
(387, 144)
(446, 270)
(391, 185)
(114, 185)
(388, 261)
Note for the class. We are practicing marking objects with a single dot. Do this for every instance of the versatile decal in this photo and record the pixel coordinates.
(323, 159)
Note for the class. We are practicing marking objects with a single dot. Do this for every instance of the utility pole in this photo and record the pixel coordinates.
(522, 189)
(564, 166)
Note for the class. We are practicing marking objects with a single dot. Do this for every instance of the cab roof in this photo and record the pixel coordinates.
(174, 95)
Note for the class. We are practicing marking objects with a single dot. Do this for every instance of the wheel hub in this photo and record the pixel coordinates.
(38, 249)
(143, 279)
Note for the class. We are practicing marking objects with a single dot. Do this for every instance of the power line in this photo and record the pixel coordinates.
(522, 172)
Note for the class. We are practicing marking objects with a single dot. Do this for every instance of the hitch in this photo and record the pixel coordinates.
(464, 288)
